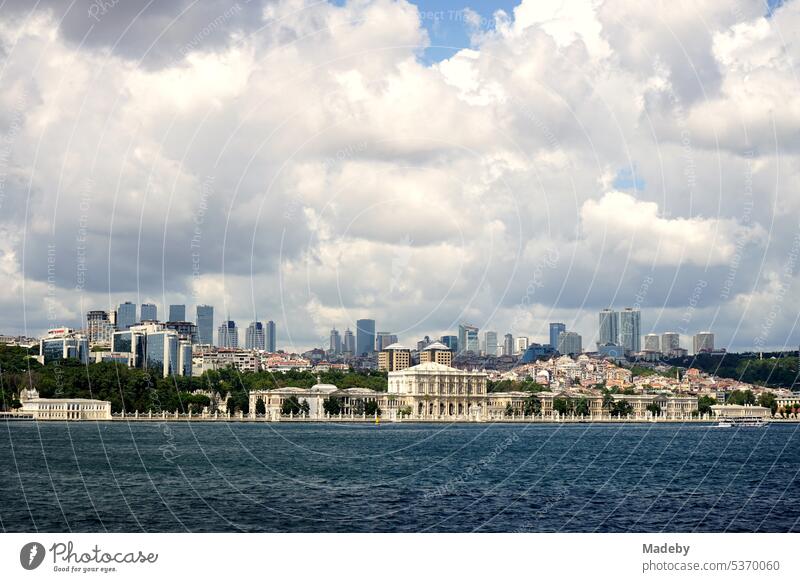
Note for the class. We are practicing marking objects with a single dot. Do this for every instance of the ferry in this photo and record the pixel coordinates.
(729, 422)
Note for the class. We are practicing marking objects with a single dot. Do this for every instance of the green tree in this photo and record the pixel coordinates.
(261, 408)
(768, 400)
(532, 405)
(582, 407)
(563, 405)
(654, 408)
(371, 408)
(332, 405)
(291, 405)
(509, 410)
(704, 404)
(741, 397)
(621, 408)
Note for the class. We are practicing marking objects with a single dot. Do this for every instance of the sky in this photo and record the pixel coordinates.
(422, 164)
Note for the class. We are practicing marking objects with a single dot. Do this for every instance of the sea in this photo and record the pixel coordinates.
(397, 477)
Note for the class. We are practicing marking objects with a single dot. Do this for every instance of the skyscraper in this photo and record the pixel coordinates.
(555, 329)
(205, 324)
(184, 358)
(254, 336)
(570, 343)
(467, 338)
(670, 343)
(630, 329)
(186, 330)
(228, 335)
(651, 343)
(383, 339)
(703, 342)
(149, 312)
(365, 337)
(270, 337)
(336, 342)
(99, 327)
(126, 315)
(609, 327)
(177, 313)
(451, 341)
(490, 343)
(508, 345)
(349, 344)
(521, 344)
(161, 353)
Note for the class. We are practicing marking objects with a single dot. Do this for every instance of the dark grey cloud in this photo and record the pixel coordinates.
(154, 33)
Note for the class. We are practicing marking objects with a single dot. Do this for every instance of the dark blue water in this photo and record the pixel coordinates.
(397, 477)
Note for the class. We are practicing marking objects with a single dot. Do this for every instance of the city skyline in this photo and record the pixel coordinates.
(262, 335)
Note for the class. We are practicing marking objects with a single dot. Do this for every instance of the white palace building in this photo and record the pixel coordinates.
(63, 408)
(433, 390)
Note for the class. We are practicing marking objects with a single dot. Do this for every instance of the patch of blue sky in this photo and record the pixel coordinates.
(628, 178)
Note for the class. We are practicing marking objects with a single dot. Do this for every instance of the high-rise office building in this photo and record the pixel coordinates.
(254, 338)
(335, 342)
(349, 343)
(186, 330)
(126, 315)
(177, 313)
(570, 343)
(383, 339)
(630, 329)
(609, 327)
(421, 344)
(468, 338)
(490, 343)
(555, 329)
(365, 337)
(508, 345)
(61, 344)
(184, 358)
(161, 353)
(149, 312)
(154, 347)
(270, 337)
(521, 344)
(228, 335)
(451, 341)
(651, 343)
(703, 342)
(205, 324)
(99, 327)
(132, 343)
(670, 343)
(394, 357)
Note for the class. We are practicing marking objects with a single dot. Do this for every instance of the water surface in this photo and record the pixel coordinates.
(282, 477)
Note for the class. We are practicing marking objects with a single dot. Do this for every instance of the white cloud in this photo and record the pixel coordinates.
(327, 173)
(634, 230)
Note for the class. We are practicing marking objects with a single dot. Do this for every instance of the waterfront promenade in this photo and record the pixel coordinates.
(364, 419)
